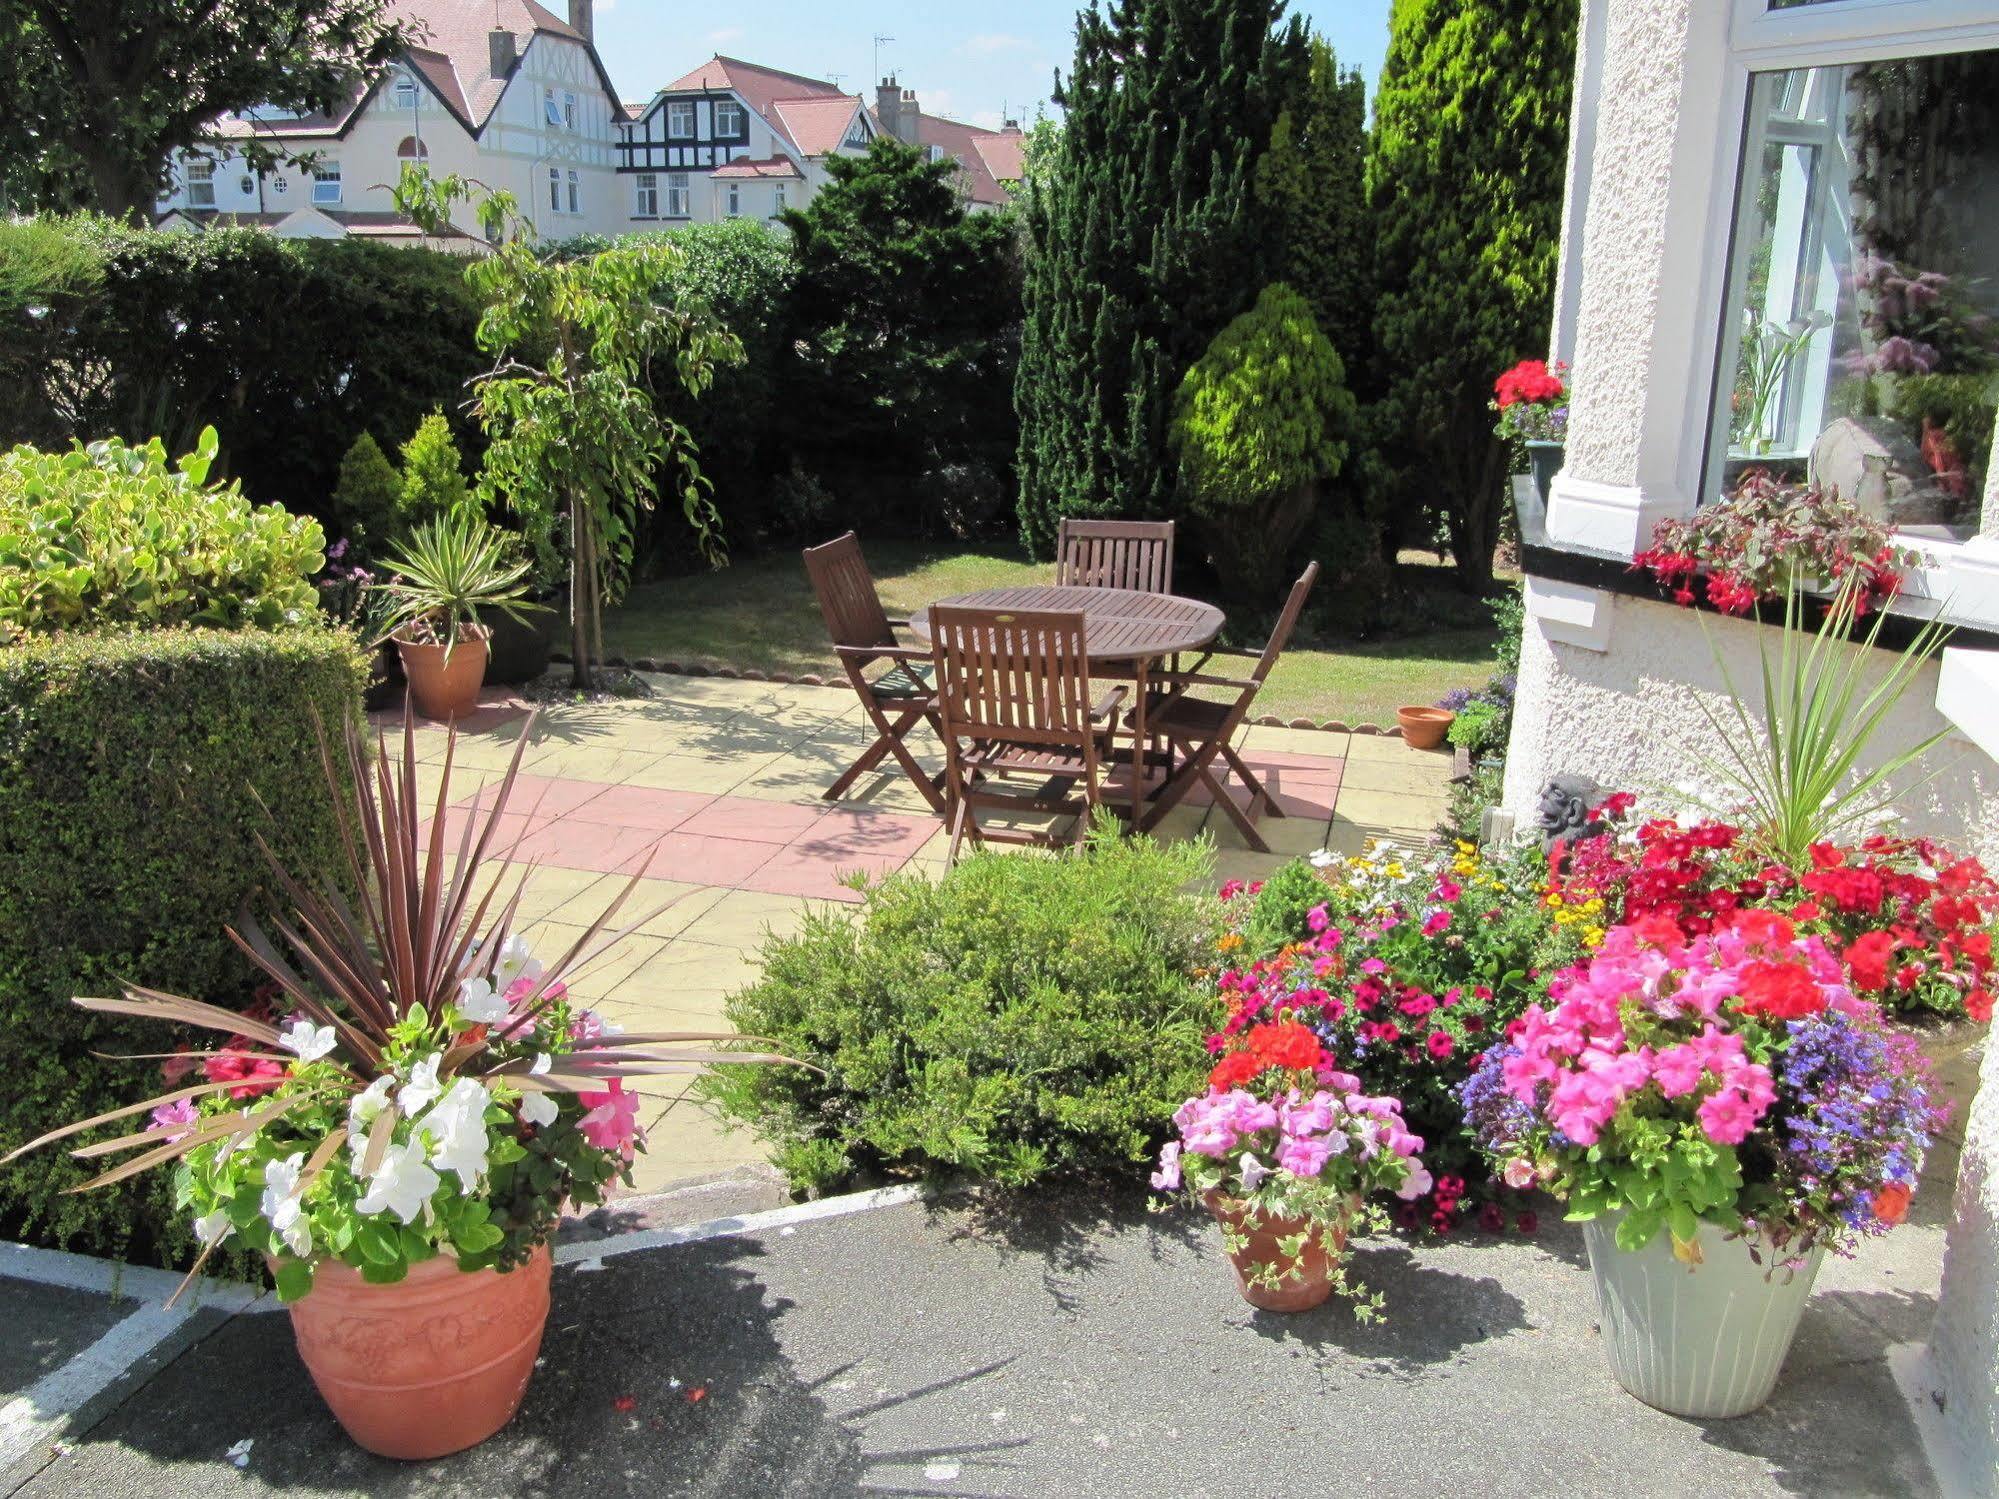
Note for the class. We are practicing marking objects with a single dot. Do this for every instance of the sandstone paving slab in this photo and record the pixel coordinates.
(1080, 1348)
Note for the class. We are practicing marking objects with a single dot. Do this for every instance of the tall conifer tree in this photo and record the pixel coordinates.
(1465, 175)
(1145, 237)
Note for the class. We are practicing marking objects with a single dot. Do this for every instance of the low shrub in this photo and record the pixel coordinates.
(111, 536)
(1019, 1017)
(133, 773)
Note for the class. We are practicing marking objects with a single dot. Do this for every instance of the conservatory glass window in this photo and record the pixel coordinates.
(1861, 347)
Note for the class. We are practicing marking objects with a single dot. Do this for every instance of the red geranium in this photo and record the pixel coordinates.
(1530, 380)
(1868, 957)
(1780, 991)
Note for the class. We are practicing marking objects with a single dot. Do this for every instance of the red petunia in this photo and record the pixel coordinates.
(1978, 1005)
(1779, 991)
(244, 1067)
(1440, 1044)
(1868, 957)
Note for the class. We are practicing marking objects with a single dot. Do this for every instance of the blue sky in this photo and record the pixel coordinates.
(963, 60)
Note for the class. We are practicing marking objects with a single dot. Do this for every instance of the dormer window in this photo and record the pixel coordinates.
(405, 96)
(730, 123)
(680, 120)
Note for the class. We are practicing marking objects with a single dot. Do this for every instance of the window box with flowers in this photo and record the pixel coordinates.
(1532, 400)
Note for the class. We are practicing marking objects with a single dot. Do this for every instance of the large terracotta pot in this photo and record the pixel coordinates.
(1424, 728)
(433, 1364)
(1706, 1341)
(1306, 1282)
(444, 686)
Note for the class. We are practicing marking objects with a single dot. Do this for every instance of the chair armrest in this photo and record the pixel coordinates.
(1235, 650)
(1107, 705)
(867, 653)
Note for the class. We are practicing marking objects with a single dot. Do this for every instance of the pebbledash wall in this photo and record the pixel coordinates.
(1609, 682)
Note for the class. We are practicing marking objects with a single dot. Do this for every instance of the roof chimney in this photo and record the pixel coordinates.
(583, 17)
(500, 47)
(1009, 127)
(888, 107)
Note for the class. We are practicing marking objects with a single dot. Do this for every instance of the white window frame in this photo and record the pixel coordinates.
(575, 185)
(321, 181)
(677, 111)
(198, 172)
(551, 112)
(777, 199)
(404, 95)
(645, 197)
(677, 196)
(555, 189)
(739, 115)
(734, 198)
(1736, 39)
(568, 111)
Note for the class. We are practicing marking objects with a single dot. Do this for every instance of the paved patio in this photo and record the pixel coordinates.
(712, 786)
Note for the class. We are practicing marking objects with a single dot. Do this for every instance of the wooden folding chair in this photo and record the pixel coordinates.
(1200, 731)
(896, 700)
(1135, 554)
(1013, 690)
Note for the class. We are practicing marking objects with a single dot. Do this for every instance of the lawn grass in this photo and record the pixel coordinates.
(760, 614)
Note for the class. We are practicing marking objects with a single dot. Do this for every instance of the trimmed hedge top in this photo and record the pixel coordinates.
(110, 536)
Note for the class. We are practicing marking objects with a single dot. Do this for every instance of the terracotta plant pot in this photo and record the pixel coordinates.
(1424, 728)
(434, 1364)
(1307, 1282)
(440, 687)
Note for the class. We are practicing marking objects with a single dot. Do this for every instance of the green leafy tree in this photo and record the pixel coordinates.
(1465, 173)
(1313, 182)
(433, 474)
(1261, 419)
(1144, 238)
(368, 497)
(575, 439)
(904, 310)
(101, 93)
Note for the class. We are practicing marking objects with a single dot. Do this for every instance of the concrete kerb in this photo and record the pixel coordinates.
(36, 1419)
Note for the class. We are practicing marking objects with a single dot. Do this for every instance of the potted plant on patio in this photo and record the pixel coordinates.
(450, 569)
(1719, 1110)
(400, 1145)
(1532, 400)
(1284, 1150)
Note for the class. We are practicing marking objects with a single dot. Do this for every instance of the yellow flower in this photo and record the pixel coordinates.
(1593, 936)
(1554, 898)
(1230, 942)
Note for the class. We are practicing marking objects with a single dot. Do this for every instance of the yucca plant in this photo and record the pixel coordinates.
(1793, 767)
(434, 1089)
(449, 569)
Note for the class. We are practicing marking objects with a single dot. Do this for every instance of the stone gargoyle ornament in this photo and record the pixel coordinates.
(1564, 810)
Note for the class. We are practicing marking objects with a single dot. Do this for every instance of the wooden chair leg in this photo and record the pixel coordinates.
(1244, 824)
(920, 778)
(961, 817)
(1177, 785)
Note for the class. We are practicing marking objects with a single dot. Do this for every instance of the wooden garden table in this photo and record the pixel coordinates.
(1123, 630)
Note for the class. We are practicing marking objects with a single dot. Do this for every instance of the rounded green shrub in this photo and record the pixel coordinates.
(112, 537)
(1261, 419)
(1022, 1016)
(368, 497)
(433, 476)
(135, 774)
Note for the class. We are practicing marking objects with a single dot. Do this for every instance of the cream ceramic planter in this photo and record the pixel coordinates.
(1706, 1340)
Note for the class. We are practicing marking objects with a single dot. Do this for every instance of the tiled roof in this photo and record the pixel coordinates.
(764, 89)
(775, 166)
(987, 157)
(381, 224)
(817, 127)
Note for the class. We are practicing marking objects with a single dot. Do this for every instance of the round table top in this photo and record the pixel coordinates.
(1119, 624)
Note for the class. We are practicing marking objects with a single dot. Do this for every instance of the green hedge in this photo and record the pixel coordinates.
(127, 840)
(1025, 1015)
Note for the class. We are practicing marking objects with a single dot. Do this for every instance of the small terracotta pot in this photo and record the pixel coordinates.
(1312, 1283)
(440, 687)
(1424, 728)
(433, 1364)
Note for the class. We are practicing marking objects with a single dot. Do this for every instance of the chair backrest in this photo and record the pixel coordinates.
(846, 592)
(1294, 606)
(1019, 675)
(1135, 554)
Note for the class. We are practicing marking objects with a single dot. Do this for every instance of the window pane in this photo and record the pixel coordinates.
(1863, 345)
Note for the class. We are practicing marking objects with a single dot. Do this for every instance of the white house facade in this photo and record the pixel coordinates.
(503, 91)
(1779, 248)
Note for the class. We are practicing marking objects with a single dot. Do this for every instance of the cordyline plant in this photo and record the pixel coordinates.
(434, 1088)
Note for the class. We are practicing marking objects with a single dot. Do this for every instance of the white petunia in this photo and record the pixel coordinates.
(212, 1228)
(480, 1003)
(457, 1130)
(403, 1186)
(310, 1041)
(542, 1062)
(1253, 1171)
(538, 1109)
(516, 962)
(422, 1089)
(281, 1206)
(367, 1105)
(1324, 858)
